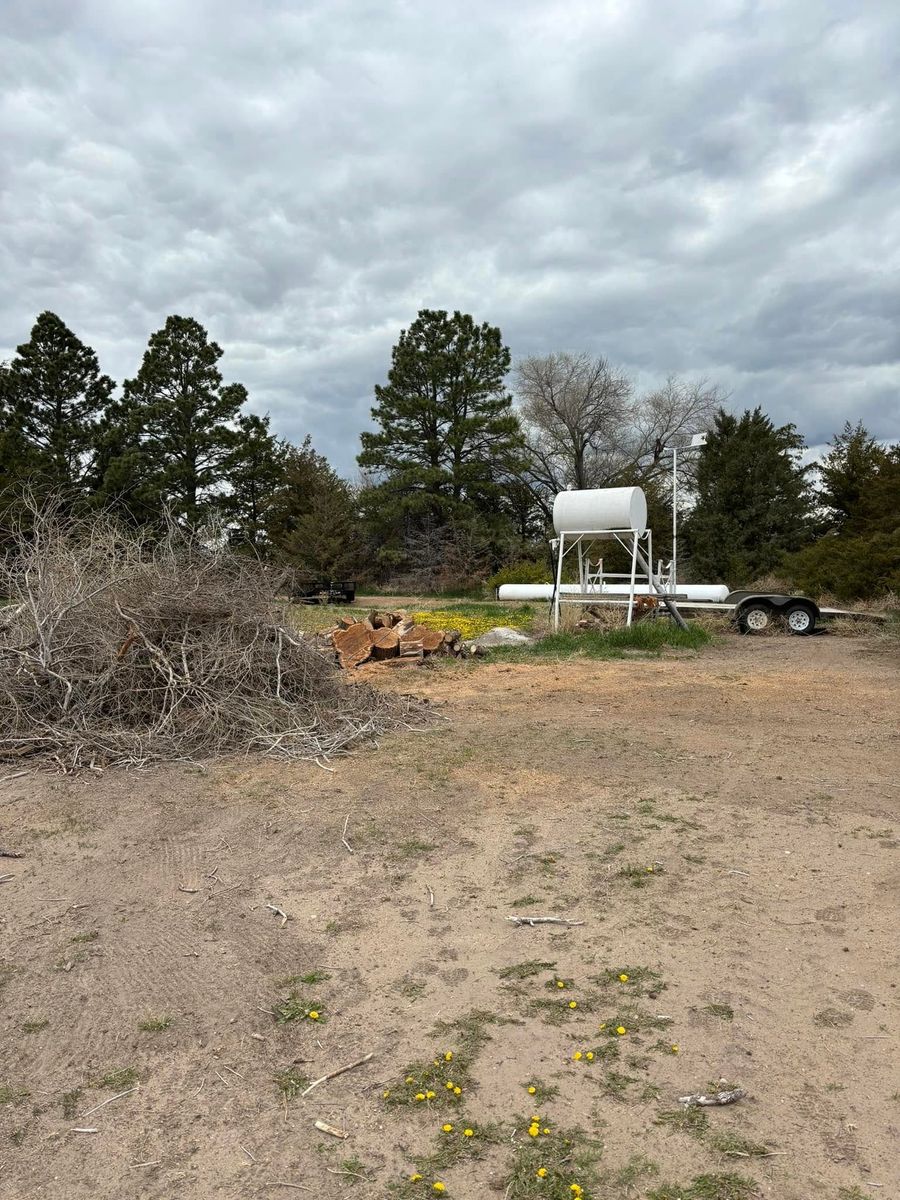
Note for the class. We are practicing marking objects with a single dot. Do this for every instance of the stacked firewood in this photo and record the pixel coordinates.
(384, 636)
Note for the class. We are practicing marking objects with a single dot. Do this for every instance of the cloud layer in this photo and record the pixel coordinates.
(703, 192)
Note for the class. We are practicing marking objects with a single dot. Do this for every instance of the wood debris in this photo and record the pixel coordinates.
(707, 1099)
(391, 637)
(324, 1127)
(543, 921)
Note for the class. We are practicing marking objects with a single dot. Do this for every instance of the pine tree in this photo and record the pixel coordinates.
(754, 502)
(852, 462)
(256, 473)
(177, 426)
(55, 399)
(447, 435)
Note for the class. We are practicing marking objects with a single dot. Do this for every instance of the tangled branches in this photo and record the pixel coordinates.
(115, 649)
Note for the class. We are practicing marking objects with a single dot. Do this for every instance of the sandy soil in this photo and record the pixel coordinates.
(758, 778)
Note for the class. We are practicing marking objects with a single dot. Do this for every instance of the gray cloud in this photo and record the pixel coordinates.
(706, 193)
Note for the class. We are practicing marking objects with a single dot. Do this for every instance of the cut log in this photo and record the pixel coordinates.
(385, 643)
(381, 620)
(353, 645)
(411, 649)
(403, 625)
(346, 622)
(451, 636)
(414, 633)
(432, 640)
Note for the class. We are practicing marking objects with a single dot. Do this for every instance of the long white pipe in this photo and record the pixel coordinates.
(712, 592)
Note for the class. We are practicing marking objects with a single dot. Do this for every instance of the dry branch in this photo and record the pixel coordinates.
(543, 921)
(340, 1071)
(708, 1099)
(120, 649)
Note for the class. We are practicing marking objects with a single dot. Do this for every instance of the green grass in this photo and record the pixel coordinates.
(117, 1079)
(640, 981)
(69, 1102)
(35, 1026)
(639, 877)
(735, 1145)
(686, 1120)
(445, 1079)
(413, 848)
(290, 1083)
(566, 1156)
(723, 1011)
(90, 936)
(13, 1094)
(542, 1091)
(525, 970)
(295, 1007)
(651, 637)
(311, 978)
(526, 901)
(155, 1024)
(708, 1187)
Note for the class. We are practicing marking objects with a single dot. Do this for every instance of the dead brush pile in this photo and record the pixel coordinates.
(119, 650)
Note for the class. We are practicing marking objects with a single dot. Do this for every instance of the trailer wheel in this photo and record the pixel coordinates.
(800, 619)
(755, 617)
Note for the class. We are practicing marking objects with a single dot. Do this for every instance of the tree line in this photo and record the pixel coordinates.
(458, 474)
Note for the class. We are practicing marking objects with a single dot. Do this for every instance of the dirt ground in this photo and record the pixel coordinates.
(758, 778)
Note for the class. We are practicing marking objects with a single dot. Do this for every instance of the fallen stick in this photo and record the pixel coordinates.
(430, 895)
(340, 1071)
(543, 921)
(703, 1099)
(103, 1103)
(344, 834)
(87, 1129)
(11, 853)
(279, 912)
(15, 775)
(324, 1127)
(192, 891)
(301, 1187)
(6, 878)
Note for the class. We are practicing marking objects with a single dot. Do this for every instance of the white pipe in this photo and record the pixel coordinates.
(711, 592)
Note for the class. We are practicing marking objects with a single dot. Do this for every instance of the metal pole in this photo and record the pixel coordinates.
(674, 518)
(559, 567)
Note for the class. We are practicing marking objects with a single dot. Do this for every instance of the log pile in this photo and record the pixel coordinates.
(391, 637)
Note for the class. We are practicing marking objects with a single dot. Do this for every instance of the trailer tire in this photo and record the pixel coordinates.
(755, 617)
(800, 619)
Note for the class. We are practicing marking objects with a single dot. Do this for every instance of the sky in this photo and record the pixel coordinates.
(710, 190)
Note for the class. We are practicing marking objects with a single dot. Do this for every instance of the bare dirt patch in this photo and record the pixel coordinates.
(757, 780)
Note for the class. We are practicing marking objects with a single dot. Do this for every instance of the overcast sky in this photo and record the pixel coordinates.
(707, 189)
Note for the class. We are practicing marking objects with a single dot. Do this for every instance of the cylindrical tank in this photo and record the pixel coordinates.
(716, 593)
(600, 508)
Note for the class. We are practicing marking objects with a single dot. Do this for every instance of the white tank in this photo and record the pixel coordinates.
(600, 508)
(715, 593)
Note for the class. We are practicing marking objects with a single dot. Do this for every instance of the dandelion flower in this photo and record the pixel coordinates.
(409, 1079)
(447, 1128)
(457, 1091)
(545, 1130)
(560, 983)
(385, 1095)
(468, 1133)
(675, 1048)
(532, 1090)
(414, 1178)
(448, 1057)
(534, 1130)
(420, 1095)
(437, 1062)
(536, 1119)
(575, 1189)
(429, 1095)
(602, 1027)
(650, 870)
(449, 1085)
(573, 1004)
(590, 1056)
(541, 1172)
(623, 978)
(437, 1186)
(577, 1056)
(621, 1030)
(313, 1016)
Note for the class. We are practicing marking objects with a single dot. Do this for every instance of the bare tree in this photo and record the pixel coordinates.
(586, 427)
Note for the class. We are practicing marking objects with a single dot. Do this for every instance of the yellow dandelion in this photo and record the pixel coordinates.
(621, 1030)
(623, 978)
(468, 1133)
(409, 1079)
(532, 1090)
(650, 870)
(575, 1189)
(448, 1057)
(313, 1016)
(420, 1095)
(447, 1128)
(560, 983)
(675, 1049)
(414, 1178)
(429, 1095)
(601, 1027)
(541, 1172)
(573, 1004)
(457, 1091)
(534, 1130)
(590, 1056)
(545, 1130)
(449, 1085)
(437, 1186)
(577, 1056)
(536, 1119)
(385, 1095)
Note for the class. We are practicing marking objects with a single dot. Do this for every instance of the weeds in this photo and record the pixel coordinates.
(635, 981)
(540, 1092)
(290, 1083)
(297, 1008)
(708, 1187)
(723, 1011)
(413, 848)
(685, 1120)
(411, 989)
(526, 901)
(90, 936)
(122, 1077)
(447, 1077)
(734, 1145)
(833, 1018)
(310, 979)
(69, 1102)
(525, 970)
(35, 1026)
(155, 1024)
(639, 877)
(11, 1093)
(558, 1166)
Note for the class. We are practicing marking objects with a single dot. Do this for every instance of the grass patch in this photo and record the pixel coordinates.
(526, 901)
(640, 876)
(708, 1187)
(11, 1093)
(35, 1026)
(549, 1167)
(634, 981)
(525, 970)
(555, 1012)
(638, 1168)
(69, 1102)
(735, 1145)
(723, 1011)
(833, 1018)
(116, 1080)
(446, 1078)
(854, 1193)
(685, 1120)
(606, 1052)
(539, 1091)
(290, 1083)
(90, 936)
(155, 1024)
(355, 1168)
(413, 848)
(651, 637)
(310, 979)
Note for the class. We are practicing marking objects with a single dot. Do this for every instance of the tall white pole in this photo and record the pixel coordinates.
(674, 579)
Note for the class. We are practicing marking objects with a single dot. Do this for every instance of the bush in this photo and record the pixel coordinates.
(526, 570)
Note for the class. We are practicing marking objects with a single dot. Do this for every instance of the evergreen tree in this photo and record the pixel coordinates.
(54, 401)
(313, 520)
(447, 436)
(176, 426)
(852, 462)
(256, 473)
(753, 499)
